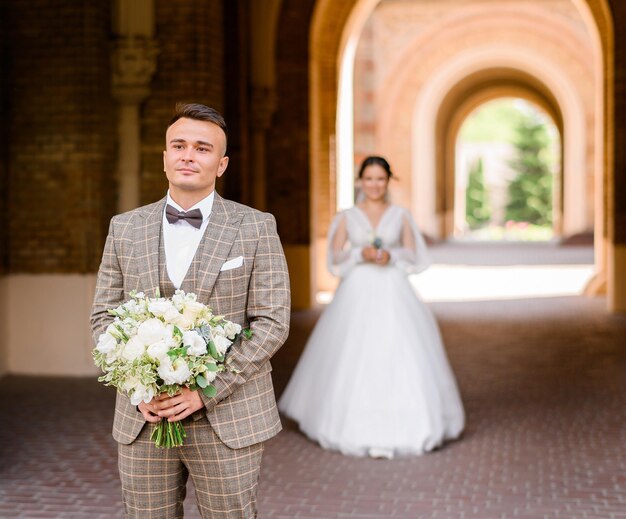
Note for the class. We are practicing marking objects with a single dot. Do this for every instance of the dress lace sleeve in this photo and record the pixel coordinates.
(412, 255)
(342, 255)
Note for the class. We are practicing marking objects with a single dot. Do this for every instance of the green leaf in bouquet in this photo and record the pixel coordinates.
(201, 381)
(177, 332)
(247, 333)
(210, 366)
(209, 391)
(213, 350)
(177, 352)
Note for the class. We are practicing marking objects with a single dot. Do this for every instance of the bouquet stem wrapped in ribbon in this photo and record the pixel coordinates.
(160, 345)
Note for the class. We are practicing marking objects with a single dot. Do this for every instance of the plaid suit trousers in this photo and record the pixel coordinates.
(154, 480)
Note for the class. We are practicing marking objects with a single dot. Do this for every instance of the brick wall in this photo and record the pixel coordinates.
(619, 18)
(59, 187)
(4, 135)
(288, 171)
(189, 69)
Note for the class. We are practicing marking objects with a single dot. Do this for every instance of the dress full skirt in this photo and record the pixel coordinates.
(374, 379)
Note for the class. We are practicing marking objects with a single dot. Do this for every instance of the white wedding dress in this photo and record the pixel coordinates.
(374, 379)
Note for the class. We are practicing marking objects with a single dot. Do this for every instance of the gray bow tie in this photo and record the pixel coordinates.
(193, 217)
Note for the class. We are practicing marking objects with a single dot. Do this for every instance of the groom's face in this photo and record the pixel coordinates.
(194, 156)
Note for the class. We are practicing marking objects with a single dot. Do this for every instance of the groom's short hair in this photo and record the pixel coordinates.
(199, 112)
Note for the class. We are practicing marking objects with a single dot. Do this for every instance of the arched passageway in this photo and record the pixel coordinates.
(429, 83)
(506, 181)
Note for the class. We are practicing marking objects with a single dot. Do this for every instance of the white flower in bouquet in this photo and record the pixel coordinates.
(158, 350)
(151, 331)
(232, 329)
(193, 309)
(165, 309)
(178, 300)
(221, 343)
(106, 343)
(141, 393)
(159, 345)
(134, 348)
(137, 391)
(129, 326)
(176, 372)
(195, 342)
(210, 376)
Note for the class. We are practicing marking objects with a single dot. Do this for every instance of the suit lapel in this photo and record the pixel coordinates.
(215, 246)
(146, 247)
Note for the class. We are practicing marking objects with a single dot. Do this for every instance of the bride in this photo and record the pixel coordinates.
(374, 379)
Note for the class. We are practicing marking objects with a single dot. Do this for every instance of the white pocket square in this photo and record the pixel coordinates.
(232, 263)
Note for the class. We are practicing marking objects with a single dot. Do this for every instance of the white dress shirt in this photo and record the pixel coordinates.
(181, 239)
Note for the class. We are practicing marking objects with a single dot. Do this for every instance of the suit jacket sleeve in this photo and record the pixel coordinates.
(109, 286)
(268, 313)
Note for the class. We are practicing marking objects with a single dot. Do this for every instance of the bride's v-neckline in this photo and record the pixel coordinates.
(373, 227)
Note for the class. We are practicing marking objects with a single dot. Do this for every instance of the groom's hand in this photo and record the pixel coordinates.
(149, 412)
(176, 407)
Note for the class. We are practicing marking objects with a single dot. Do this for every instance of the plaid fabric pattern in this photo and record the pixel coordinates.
(255, 295)
(153, 480)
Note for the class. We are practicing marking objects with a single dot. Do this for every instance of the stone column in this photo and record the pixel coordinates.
(133, 57)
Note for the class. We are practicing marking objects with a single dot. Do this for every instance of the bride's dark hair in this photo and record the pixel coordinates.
(375, 160)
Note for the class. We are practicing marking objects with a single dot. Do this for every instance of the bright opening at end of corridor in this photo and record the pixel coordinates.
(457, 273)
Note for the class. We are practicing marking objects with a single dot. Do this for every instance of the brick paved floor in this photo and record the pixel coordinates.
(544, 385)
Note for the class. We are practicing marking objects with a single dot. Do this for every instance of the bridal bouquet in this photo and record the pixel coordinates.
(159, 345)
(375, 241)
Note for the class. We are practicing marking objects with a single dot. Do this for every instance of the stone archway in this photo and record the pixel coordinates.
(451, 121)
(475, 91)
(332, 39)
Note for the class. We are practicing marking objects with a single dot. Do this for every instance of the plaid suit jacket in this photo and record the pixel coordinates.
(255, 295)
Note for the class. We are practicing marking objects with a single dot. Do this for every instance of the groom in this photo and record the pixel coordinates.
(231, 257)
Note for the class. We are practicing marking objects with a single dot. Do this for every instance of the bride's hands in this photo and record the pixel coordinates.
(373, 255)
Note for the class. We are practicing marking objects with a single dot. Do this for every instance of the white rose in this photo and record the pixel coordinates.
(196, 343)
(151, 331)
(106, 343)
(133, 349)
(192, 310)
(221, 343)
(176, 372)
(158, 350)
(231, 329)
(183, 322)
